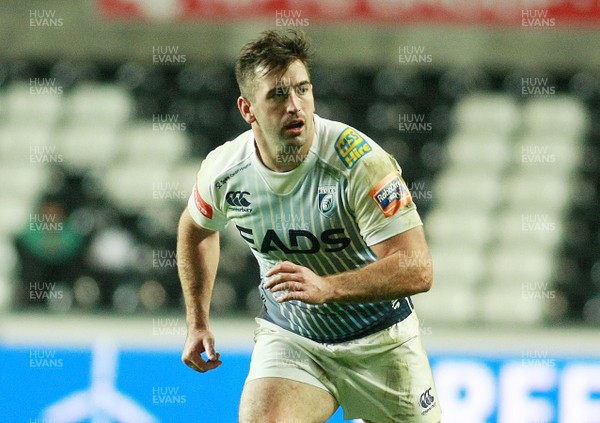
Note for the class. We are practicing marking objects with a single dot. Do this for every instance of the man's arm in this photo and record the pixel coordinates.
(197, 262)
(404, 268)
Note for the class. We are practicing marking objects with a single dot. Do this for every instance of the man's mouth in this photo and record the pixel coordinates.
(295, 126)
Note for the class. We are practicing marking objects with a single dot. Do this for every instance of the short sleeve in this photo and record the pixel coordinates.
(201, 204)
(381, 200)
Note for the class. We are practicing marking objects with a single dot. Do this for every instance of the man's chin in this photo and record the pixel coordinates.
(298, 140)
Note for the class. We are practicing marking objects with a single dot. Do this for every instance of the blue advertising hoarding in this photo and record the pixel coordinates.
(52, 385)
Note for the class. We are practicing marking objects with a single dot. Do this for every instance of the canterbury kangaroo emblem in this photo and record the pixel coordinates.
(237, 198)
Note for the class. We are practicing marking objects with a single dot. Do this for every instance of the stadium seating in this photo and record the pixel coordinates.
(505, 188)
(507, 184)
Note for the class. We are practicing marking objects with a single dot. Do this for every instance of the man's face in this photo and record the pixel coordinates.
(283, 107)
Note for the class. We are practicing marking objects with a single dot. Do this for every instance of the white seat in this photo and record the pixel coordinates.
(519, 264)
(467, 226)
(486, 150)
(558, 114)
(496, 113)
(103, 104)
(532, 190)
(456, 187)
(14, 216)
(553, 152)
(500, 304)
(88, 146)
(144, 141)
(23, 182)
(27, 144)
(447, 304)
(457, 265)
(34, 102)
(516, 224)
(5, 292)
(136, 187)
(8, 255)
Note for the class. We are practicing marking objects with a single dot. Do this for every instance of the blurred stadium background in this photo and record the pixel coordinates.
(107, 108)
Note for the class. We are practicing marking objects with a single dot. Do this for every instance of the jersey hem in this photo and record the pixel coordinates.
(389, 320)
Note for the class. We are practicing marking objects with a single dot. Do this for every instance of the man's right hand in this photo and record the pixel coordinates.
(198, 342)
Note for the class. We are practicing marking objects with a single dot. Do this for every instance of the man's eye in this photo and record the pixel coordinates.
(280, 93)
(302, 89)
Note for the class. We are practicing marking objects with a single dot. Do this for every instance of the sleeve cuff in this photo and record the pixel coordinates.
(200, 220)
(398, 224)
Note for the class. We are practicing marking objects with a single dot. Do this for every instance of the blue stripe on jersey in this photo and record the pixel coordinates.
(378, 322)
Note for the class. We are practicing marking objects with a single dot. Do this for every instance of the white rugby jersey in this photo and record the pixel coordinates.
(346, 195)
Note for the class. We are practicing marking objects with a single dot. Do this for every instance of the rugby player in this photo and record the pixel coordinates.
(340, 246)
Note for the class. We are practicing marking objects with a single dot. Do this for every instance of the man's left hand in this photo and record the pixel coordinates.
(298, 283)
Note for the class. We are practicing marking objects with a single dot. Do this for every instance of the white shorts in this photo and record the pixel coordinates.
(383, 377)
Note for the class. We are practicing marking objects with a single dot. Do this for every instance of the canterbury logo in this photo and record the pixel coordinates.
(236, 198)
(426, 399)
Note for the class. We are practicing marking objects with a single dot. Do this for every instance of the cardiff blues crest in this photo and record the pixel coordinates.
(327, 199)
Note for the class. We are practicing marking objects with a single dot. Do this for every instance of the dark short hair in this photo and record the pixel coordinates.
(273, 50)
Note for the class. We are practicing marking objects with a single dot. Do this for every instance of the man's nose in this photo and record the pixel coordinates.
(293, 104)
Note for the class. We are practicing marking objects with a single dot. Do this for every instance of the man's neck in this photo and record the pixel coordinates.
(285, 158)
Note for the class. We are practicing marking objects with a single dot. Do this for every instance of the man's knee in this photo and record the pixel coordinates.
(257, 406)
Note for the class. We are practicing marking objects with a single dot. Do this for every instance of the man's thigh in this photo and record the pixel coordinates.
(386, 377)
(278, 400)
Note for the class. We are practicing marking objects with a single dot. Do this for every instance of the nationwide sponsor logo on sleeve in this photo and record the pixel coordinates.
(391, 194)
(203, 206)
(350, 147)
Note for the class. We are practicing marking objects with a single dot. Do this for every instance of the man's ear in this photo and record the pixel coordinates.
(245, 109)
